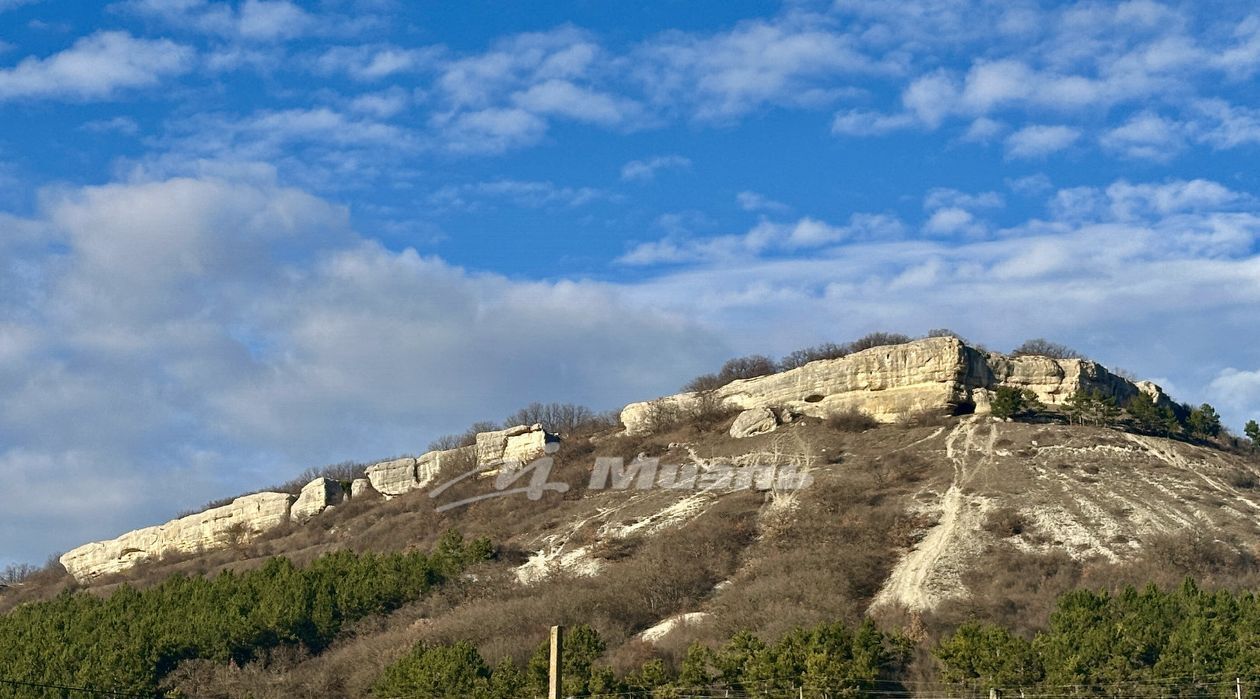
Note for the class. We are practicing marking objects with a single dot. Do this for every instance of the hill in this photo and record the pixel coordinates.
(870, 485)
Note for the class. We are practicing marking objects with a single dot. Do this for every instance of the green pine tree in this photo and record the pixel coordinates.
(1204, 421)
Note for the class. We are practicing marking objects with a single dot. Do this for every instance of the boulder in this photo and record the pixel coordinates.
(315, 497)
(360, 487)
(752, 422)
(219, 527)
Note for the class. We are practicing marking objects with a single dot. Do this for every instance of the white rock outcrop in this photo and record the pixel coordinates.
(752, 422)
(238, 522)
(398, 476)
(360, 488)
(518, 444)
(394, 477)
(887, 383)
(315, 497)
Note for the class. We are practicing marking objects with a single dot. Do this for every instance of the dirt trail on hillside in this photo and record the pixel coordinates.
(932, 571)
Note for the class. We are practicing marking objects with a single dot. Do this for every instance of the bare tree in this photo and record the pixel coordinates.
(17, 573)
(561, 418)
(801, 357)
(1042, 347)
(879, 339)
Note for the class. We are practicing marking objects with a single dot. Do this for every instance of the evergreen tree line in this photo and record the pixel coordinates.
(1184, 643)
(129, 640)
(845, 660)
(1093, 407)
(1135, 643)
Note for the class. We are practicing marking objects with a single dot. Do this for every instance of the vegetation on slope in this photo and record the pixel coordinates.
(1182, 642)
(836, 657)
(1147, 643)
(129, 641)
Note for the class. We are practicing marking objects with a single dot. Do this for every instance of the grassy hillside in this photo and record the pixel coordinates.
(921, 527)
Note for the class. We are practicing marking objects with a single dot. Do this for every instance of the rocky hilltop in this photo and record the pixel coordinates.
(940, 374)
(888, 383)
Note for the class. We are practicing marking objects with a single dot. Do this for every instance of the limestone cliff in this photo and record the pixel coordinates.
(239, 521)
(887, 383)
(248, 516)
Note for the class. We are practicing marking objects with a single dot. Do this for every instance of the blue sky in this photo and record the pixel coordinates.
(238, 239)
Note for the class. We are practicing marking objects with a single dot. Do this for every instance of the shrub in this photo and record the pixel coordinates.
(1005, 521)
(436, 671)
(801, 357)
(663, 415)
(1042, 347)
(851, 421)
(704, 383)
(1243, 480)
(749, 367)
(878, 339)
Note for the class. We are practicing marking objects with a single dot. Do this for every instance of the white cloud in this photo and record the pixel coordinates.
(1236, 391)
(529, 194)
(858, 122)
(383, 104)
(96, 67)
(752, 201)
(251, 20)
(942, 197)
(792, 60)
(931, 98)
(1039, 141)
(119, 124)
(374, 62)
(1031, 185)
(505, 97)
(949, 220)
(1223, 125)
(1146, 136)
(984, 130)
(1129, 201)
(491, 130)
(766, 236)
(644, 170)
(321, 145)
(271, 19)
(563, 98)
(6, 5)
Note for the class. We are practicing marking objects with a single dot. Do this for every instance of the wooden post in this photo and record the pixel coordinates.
(1238, 687)
(554, 689)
